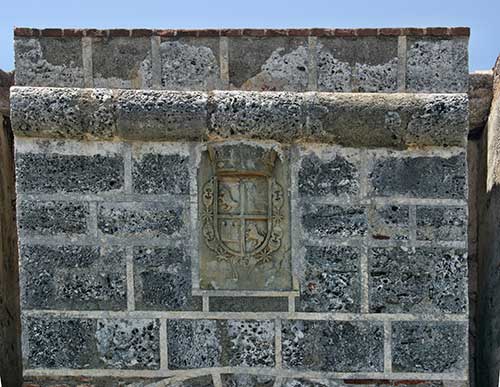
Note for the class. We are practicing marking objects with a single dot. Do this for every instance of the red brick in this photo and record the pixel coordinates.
(73, 33)
(366, 32)
(390, 31)
(209, 32)
(284, 32)
(92, 32)
(52, 32)
(414, 31)
(193, 33)
(21, 31)
(254, 32)
(165, 33)
(436, 31)
(322, 32)
(119, 32)
(459, 31)
(231, 32)
(141, 32)
(344, 32)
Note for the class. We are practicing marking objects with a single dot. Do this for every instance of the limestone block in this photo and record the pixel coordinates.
(244, 380)
(418, 280)
(480, 97)
(441, 223)
(389, 222)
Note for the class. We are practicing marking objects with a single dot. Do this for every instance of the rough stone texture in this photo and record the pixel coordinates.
(139, 219)
(248, 304)
(73, 277)
(268, 64)
(189, 63)
(162, 279)
(243, 380)
(480, 96)
(441, 223)
(357, 64)
(389, 222)
(51, 173)
(333, 346)
(121, 63)
(55, 62)
(52, 217)
(6, 81)
(418, 280)
(430, 60)
(425, 177)
(418, 347)
(331, 281)
(332, 221)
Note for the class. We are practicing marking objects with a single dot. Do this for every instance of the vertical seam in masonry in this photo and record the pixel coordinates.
(130, 279)
(363, 265)
(163, 345)
(402, 46)
(216, 379)
(206, 303)
(155, 62)
(277, 344)
(88, 71)
(412, 225)
(387, 347)
(127, 168)
(224, 60)
(312, 66)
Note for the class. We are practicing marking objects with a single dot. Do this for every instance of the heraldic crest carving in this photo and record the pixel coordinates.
(243, 214)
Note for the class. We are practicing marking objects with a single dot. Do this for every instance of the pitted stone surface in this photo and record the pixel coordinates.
(437, 65)
(73, 277)
(53, 217)
(151, 219)
(418, 280)
(121, 63)
(242, 380)
(194, 344)
(162, 279)
(319, 177)
(160, 173)
(128, 344)
(389, 222)
(331, 282)
(55, 62)
(160, 115)
(278, 116)
(248, 304)
(338, 346)
(251, 343)
(422, 177)
(332, 221)
(190, 64)
(59, 343)
(441, 223)
(277, 63)
(429, 347)
(51, 173)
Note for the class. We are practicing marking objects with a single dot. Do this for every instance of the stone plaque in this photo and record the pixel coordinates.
(244, 218)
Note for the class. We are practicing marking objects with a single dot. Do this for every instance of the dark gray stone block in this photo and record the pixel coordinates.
(250, 343)
(422, 177)
(162, 280)
(121, 62)
(368, 64)
(194, 344)
(73, 277)
(59, 343)
(332, 280)
(160, 174)
(319, 177)
(442, 223)
(333, 346)
(51, 173)
(332, 221)
(200, 381)
(248, 304)
(128, 344)
(429, 347)
(389, 222)
(421, 280)
(53, 217)
(152, 219)
(269, 64)
(437, 65)
(242, 380)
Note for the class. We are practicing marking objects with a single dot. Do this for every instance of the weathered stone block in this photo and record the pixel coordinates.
(128, 344)
(368, 64)
(437, 65)
(276, 116)
(189, 63)
(429, 347)
(55, 62)
(418, 280)
(73, 277)
(420, 176)
(51, 173)
(248, 304)
(389, 222)
(441, 223)
(154, 173)
(251, 343)
(243, 380)
(194, 344)
(161, 115)
(336, 175)
(200, 381)
(332, 221)
(269, 64)
(162, 279)
(334, 346)
(122, 63)
(331, 281)
(53, 217)
(151, 219)
(59, 343)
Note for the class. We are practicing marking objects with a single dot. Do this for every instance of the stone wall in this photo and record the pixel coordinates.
(240, 238)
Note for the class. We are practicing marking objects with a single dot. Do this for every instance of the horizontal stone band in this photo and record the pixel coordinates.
(358, 120)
